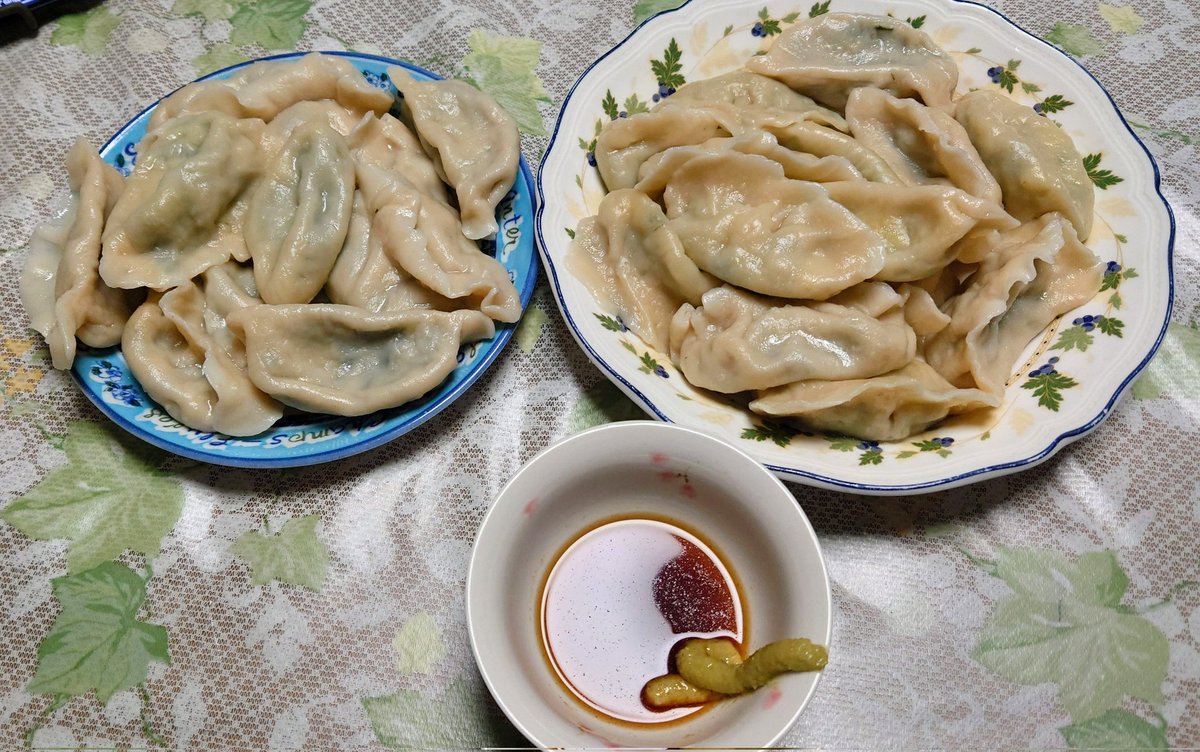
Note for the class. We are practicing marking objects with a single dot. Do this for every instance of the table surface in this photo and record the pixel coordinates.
(323, 607)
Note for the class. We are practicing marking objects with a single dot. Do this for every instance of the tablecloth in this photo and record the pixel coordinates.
(147, 600)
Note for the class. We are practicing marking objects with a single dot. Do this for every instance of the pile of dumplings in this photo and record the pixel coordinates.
(285, 242)
(831, 236)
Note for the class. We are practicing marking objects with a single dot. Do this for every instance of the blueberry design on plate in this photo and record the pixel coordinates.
(719, 40)
(307, 438)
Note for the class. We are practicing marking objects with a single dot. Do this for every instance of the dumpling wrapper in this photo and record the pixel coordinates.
(183, 206)
(343, 360)
(473, 142)
(389, 143)
(829, 56)
(60, 283)
(740, 220)
(736, 342)
(300, 213)
(635, 266)
(1040, 271)
(921, 223)
(743, 90)
(882, 408)
(922, 145)
(1035, 162)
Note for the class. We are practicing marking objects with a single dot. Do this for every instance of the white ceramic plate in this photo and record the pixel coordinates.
(1067, 380)
(306, 438)
(633, 470)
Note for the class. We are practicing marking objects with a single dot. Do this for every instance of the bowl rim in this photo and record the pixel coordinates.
(814, 478)
(499, 341)
(626, 426)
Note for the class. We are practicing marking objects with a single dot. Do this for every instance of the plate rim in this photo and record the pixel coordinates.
(504, 331)
(812, 478)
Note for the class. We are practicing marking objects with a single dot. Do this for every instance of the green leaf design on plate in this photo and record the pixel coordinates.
(643, 9)
(842, 443)
(818, 9)
(220, 55)
(779, 435)
(1074, 38)
(1055, 103)
(209, 10)
(271, 24)
(1175, 370)
(609, 105)
(418, 645)
(504, 67)
(294, 555)
(633, 105)
(89, 31)
(1064, 624)
(1110, 326)
(1104, 179)
(668, 70)
(1121, 18)
(96, 642)
(529, 331)
(917, 22)
(1115, 729)
(1073, 338)
(609, 323)
(602, 403)
(107, 499)
(410, 719)
(1047, 387)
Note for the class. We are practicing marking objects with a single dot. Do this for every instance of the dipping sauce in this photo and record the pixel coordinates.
(620, 598)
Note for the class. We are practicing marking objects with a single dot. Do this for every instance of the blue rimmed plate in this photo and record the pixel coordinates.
(1067, 380)
(307, 439)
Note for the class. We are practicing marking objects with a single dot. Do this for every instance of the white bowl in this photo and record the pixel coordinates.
(1134, 229)
(628, 470)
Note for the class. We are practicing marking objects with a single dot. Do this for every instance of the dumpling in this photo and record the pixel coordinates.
(643, 273)
(740, 220)
(624, 144)
(179, 212)
(473, 142)
(882, 408)
(267, 88)
(922, 145)
(299, 215)
(657, 171)
(1040, 272)
(180, 349)
(742, 89)
(278, 131)
(736, 342)
(203, 96)
(1035, 161)
(829, 56)
(920, 223)
(811, 138)
(346, 361)
(389, 143)
(60, 284)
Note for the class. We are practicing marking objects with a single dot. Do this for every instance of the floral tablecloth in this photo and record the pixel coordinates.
(146, 600)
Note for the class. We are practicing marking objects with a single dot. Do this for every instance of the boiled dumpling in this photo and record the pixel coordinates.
(624, 144)
(882, 408)
(736, 341)
(267, 88)
(390, 144)
(643, 275)
(740, 220)
(657, 171)
(819, 141)
(1035, 161)
(346, 361)
(1040, 271)
(60, 285)
(278, 131)
(179, 212)
(473, 142)
(922, 145)
(203, 96)
(299, 215)
(920, 223)
(829, 56)
(743, 89)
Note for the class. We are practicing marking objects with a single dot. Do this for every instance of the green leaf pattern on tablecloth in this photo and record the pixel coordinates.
(1121, 18)
(1175, 370)
(504, 67)
(529, 330)
(1074, 38)
(97, 642)
(294, 555)
(220, 55)
(1065, 624)
(271, 24)
(410, 719)
(107, 499)
(418, 645)
(209, 10)
(1116, 729)
(643, 9)
(602, 403)
(89, 31)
